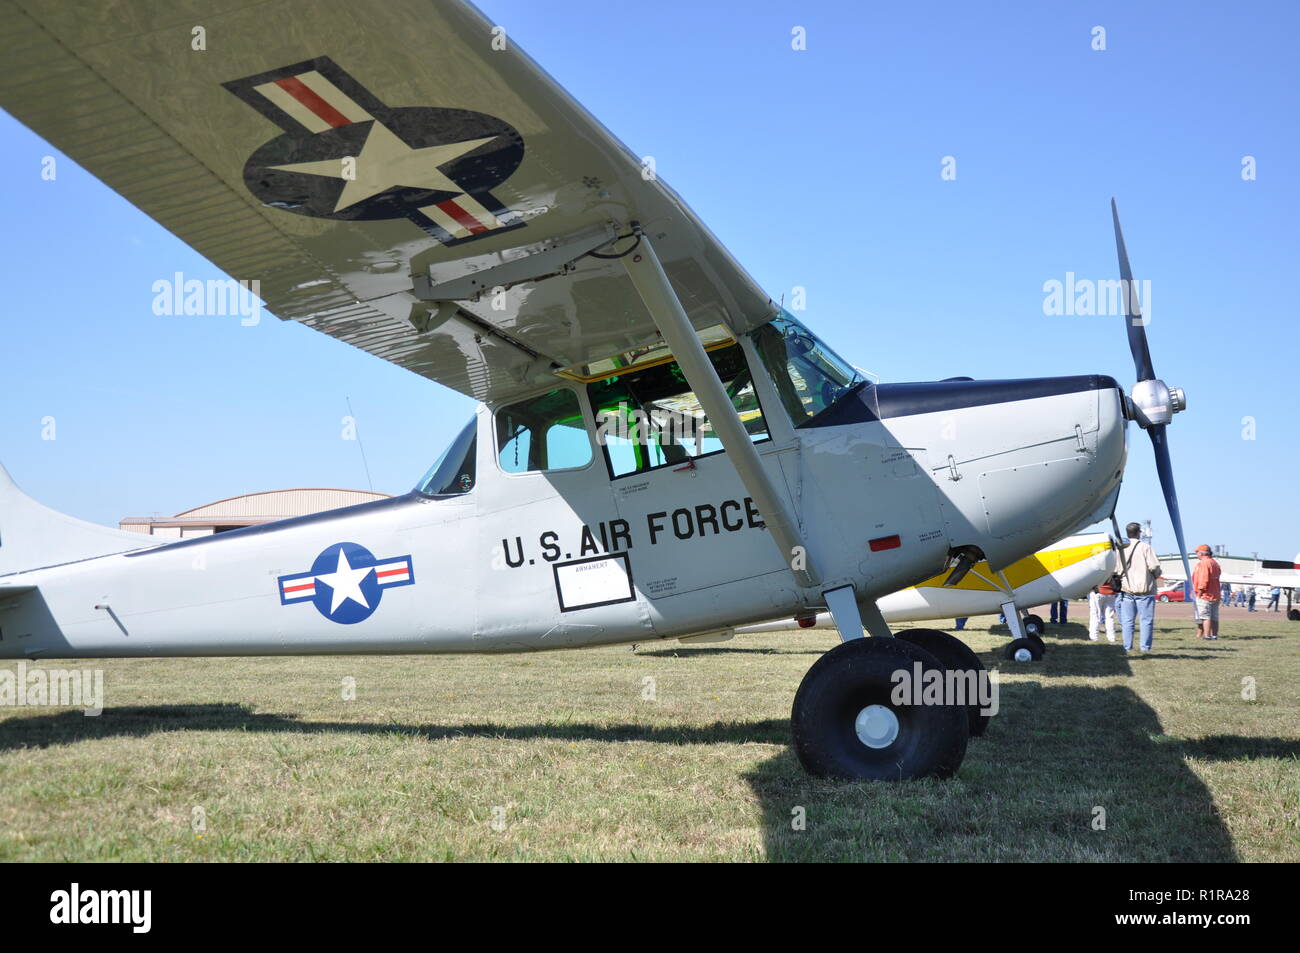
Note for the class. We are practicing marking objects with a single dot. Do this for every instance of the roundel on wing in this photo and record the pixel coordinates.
(346, 155)
(271, 176)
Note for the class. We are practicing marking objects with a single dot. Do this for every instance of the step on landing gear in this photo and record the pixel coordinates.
(849, 720)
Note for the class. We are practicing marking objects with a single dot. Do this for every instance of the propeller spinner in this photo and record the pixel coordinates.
(1153, 402)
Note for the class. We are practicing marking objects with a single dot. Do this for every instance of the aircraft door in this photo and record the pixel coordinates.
(555, 570)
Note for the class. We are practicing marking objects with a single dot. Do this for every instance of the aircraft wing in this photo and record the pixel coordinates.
(1264, 577)
(379, 167)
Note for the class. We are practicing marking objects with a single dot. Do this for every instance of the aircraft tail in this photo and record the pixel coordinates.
(32, 535)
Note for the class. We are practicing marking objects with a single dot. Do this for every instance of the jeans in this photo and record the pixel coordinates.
(1059, 609)
(1144, 608)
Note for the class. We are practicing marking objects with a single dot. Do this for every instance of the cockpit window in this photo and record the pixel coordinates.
(453, 474)
(546, 432)
(808, 375)
(650, 417)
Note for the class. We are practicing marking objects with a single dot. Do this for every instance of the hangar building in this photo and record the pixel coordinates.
(247, 510)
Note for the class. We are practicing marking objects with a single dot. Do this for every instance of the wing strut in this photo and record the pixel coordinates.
(656, 291)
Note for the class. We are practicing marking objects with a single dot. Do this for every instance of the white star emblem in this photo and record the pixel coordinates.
(345, 583)
(386, 161)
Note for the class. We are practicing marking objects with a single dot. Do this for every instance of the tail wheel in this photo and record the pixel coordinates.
(954, 655)
(1034, 625)
(1293, 615)
(849, 721)
(1024, 650)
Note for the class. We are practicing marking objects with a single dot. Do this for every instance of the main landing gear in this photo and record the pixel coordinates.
(862, 712)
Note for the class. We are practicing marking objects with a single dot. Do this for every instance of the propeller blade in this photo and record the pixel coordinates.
(1160, 441)
(1137, 333)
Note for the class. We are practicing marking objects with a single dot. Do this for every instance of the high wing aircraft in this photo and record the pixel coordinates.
(660, 450)
(1067, 569)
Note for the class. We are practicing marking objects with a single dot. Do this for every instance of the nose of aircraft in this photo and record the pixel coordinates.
(1030, 461)
(1020, 463)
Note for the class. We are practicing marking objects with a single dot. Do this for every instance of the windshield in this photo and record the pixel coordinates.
(454, 472)
(808, 375)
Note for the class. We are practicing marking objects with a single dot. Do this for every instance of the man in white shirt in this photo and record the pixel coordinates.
(1139, 572)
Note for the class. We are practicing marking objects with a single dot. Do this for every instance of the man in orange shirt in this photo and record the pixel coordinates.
(1205, 584)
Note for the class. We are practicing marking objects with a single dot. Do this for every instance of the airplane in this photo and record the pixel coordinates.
(1282, 573)
(660, 450)
(1068, 569)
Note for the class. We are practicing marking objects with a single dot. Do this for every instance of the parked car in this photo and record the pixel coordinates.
(1174, 593)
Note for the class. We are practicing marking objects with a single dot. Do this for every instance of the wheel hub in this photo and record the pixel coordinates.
(877, 726)
(1023, 655)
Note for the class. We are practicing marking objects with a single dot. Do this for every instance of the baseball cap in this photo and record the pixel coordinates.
(1203, 549)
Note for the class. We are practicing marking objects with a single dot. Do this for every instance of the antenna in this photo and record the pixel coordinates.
(360, 445)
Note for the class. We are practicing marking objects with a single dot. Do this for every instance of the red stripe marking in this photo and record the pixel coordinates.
(289, 589)
(393, 572)
(885, 542)
(305, 95)
(466, 220)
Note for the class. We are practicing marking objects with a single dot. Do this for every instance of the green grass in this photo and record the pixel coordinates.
(582, 767)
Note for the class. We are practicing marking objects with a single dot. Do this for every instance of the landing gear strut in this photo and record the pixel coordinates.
(1026, 636)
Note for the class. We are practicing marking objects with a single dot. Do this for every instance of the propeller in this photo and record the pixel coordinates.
(1153, 403)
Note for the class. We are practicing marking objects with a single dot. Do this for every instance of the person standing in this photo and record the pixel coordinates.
(1140, 569)
(1059, 609)
(1208, 592)
(1101, 605)
(1274, 595)
(1250, 600)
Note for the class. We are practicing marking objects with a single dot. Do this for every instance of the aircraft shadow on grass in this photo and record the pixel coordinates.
(65, 727)
(1028, 788)
(724, 650)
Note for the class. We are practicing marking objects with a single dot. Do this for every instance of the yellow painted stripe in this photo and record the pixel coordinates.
(1022, 571)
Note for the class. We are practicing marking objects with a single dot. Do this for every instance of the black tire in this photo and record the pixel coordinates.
(1034, 620)
(1293, 615)
(956, 655)
(930, 740)
(1162, 599)
(1033, 646)
(1042, 646)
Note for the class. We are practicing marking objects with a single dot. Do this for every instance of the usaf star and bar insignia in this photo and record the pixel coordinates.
(345, 155)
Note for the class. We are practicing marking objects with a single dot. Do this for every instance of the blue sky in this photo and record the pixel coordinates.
(818, 168)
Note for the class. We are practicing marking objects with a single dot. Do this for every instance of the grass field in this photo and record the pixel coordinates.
(563, 756)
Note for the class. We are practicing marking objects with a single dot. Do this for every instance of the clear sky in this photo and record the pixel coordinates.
(818, 168)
